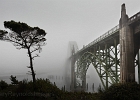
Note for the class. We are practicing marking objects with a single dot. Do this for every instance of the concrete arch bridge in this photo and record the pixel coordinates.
(114, 55)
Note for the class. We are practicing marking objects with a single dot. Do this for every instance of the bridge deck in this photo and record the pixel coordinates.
(108, 37)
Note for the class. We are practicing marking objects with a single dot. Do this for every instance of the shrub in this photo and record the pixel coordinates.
(13, 79)
(42, 88)
(3, 85)
(22, 86)
(126, 91)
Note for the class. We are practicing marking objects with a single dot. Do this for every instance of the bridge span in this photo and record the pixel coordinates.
(114, 55)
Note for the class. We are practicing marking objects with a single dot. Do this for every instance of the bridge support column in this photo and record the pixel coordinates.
(73, 76)
(139, 66)
(116, 61)
(127, 69)
(106, 61)
(84, 83)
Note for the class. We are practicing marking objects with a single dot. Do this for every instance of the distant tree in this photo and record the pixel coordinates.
(87, 86)
(64, 88)
(2, 34)
(3, 85)
(54, 84)
(25, 37)
(100, 89)
(13, 80)
(93, 87)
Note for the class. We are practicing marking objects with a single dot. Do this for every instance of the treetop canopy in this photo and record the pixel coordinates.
(19, 27)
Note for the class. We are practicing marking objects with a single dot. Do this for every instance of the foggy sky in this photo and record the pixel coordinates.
(63, 20)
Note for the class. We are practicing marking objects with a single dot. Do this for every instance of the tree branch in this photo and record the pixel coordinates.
(15, 42)
(28, 67)
(34, 50)
(35, 56)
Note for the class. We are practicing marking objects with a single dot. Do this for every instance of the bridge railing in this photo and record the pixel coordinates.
(134, 17)
(108, 33)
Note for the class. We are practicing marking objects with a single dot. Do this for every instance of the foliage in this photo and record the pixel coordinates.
(3, 85)
(126, 91)
(13, 79)
(2, 34)
(45, 90)
(77, 96)
(22, 86)
(100, 89)
(27, 88)
(26, 37)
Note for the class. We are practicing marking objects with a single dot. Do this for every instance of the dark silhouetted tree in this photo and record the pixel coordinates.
(93, 87)
(3, 85)
(2, 34)
(13, 80)
(87, 86)
(25, 37)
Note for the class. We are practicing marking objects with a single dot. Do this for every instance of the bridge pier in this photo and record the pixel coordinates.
(127, 70)
(72, 69)
(107, 61)
(73, 77)
(84, 83)
(116, 61)
(139, 66)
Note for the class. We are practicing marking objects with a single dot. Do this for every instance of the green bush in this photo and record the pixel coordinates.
(126, 91)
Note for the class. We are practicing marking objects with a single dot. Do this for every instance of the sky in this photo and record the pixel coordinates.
(63, 20)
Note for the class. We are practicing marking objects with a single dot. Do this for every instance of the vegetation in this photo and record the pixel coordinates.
(24, 37)
(3, 85)
(125, 91)
(13, 80)
(45, 90)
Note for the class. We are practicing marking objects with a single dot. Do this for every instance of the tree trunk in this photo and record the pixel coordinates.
(31, 65)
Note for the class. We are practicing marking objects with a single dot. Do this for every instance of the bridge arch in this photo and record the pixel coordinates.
(103, 53)
(103, 69)
(104, 59)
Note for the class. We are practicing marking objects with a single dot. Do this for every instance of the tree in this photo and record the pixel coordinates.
(2, 34)
(13, 80)
(3, 85)
(25, 37)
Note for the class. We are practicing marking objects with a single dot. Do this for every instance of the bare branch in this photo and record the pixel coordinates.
(29, 73)
(28, 67)
(14, 41)
(34, 50)
(35, 56)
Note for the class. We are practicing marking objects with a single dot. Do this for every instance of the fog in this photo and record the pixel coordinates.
(63, 20)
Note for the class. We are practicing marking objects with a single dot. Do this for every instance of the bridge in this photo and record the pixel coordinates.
(114, 55)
